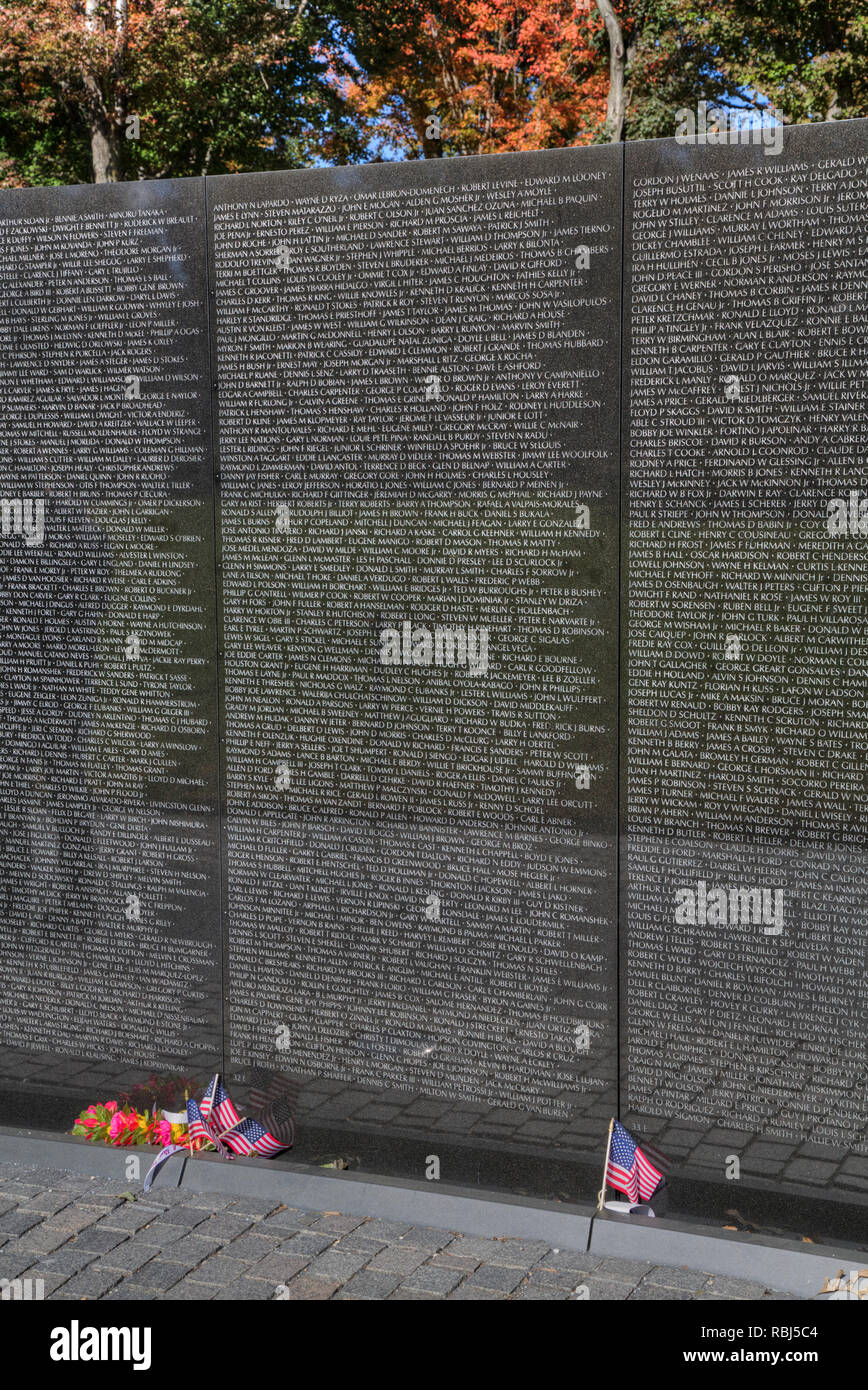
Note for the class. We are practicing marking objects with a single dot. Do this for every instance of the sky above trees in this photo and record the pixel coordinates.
(127, 89)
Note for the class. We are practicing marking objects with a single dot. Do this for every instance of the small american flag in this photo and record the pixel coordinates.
(266, 1087)
(250, 1137)
(217, 1108)
(279, 1120)
(628, 1169)
(656, 1156)
(215, 1118)
(273, 1100)
(197, 1125)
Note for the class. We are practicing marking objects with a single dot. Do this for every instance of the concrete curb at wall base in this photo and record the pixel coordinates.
(299, 1185)
(782, 1265)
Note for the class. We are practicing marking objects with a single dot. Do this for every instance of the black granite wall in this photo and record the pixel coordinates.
(336, 507)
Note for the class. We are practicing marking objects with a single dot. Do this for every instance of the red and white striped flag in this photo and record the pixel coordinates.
(628, 1169)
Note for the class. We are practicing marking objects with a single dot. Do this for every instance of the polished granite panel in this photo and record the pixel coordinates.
(417, 443)
(109, 917)
(744, 869)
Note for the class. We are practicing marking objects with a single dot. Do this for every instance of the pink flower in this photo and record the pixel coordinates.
(117, 1127)
(111, 1106)
(164, 1133)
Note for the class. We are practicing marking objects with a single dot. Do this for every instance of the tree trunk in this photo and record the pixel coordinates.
(616, 105)
(106, 117)
(431, 149)
(104, 151)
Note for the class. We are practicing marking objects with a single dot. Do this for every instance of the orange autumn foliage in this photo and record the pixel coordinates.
(500, 75)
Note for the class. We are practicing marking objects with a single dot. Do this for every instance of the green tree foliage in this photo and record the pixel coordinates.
(807, 58)
(669, 64)
(217, 86)
(229, 85)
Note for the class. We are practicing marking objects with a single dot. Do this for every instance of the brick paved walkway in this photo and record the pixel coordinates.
(89, 1238)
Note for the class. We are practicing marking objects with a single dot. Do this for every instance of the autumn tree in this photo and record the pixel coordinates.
(496, 74)
(505, 75)
(110, 89)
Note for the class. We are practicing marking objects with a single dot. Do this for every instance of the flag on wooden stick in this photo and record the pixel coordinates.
(215, 1120)
(628, 1169)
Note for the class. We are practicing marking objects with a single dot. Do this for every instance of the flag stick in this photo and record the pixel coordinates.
(211, 1125)
(601, 1195)
(231, 1127)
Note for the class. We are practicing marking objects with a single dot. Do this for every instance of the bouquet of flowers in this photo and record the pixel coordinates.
(124, 1126)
